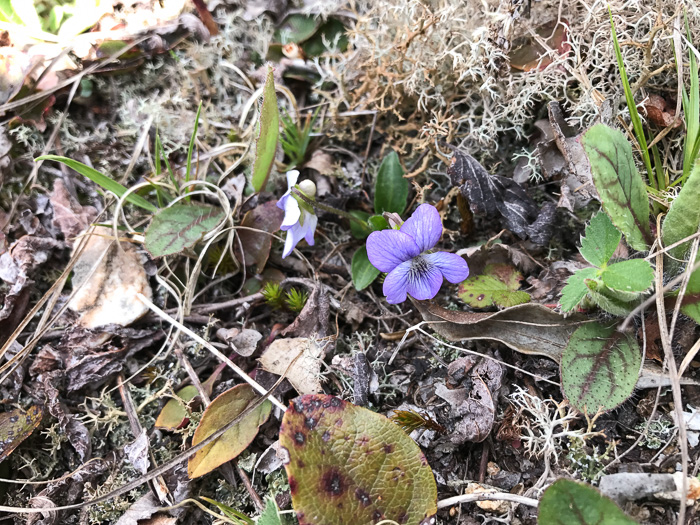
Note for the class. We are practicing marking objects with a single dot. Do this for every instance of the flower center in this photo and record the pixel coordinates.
(419, 267)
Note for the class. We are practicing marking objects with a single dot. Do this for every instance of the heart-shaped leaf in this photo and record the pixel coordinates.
(498, 284)
(16, 426)
(349, 463)
(599, 368)
(391, 189)
(223, 409)
(268, 133)
(363, 272)
(621, 187)
(181, 226)
(575, 503)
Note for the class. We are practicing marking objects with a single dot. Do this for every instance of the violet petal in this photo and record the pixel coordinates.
(424, 226)
(387, 249)
(310, 221)
(426, 283)
(452, 266)
(396, 283)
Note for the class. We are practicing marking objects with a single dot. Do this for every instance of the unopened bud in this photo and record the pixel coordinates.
(308, 188)
(393, 219)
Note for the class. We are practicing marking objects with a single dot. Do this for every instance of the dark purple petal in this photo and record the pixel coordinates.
(424, 226)
(396, 282)
(452, 266)
(387, 249)
(424, 280)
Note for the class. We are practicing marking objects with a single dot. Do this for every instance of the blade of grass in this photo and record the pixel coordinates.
(634, 114)
(101, 180)
(691, 108)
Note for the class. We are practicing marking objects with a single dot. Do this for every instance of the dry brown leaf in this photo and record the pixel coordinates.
(109, 295)
(304, 374)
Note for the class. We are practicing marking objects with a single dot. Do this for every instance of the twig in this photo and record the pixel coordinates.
(485, 496)
(670, 361)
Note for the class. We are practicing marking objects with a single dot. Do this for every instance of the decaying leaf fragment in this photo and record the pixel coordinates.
(16, 426)
(304, 373)
(108, 296)
(493, 195)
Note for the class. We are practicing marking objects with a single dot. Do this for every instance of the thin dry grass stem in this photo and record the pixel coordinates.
(486, 496)
(670, 362)
(160, 313)
(138, 148)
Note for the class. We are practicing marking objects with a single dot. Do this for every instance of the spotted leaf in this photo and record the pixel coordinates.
(16, 426)
(345, 461)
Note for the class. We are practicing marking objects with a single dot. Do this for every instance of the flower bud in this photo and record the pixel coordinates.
(308, 188)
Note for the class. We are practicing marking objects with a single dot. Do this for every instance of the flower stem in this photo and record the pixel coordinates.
(324, 207)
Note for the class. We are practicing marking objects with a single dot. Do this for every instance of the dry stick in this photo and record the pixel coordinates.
(158, 488)
(164, 468)
(670, 361)
(257, 386)
(494, 496)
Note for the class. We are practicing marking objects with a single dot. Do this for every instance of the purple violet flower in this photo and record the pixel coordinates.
(402, 254)
(299, 218)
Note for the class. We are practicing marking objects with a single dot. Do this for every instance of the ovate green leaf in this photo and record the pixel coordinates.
(599, 368)
(268, 133)
(101, 180)
(360, 231)
(497, 285)
(363, 273)
(179, 227)
(575, 290)
(222, 410)
(634, 275)
(621, 187)
(573, 503)
(391, 189)
(683, 218)
(691, 299)
(601, 240)
(348, 464)
(174, 413)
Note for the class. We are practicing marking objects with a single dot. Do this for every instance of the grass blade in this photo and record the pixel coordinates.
(101, 180)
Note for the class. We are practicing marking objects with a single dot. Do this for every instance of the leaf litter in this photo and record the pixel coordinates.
(525, 350)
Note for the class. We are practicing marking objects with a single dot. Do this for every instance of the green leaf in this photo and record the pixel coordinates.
(634, 275)
(391, 189)
(691, 299)
(222, 410)
(271, 514)
(181, 226)
(498, 285)
(683, 218)
(621, 187)
(599, 368)
(378, 223)
(174, 413)
(363, 273)
(331, 31)
(232, 514)
(268, 133)
(358, 230)
(347, 462)
(296, 28)
(575, 290)
(601, 240)
(614, 302)
(101, 180)
(17, 425)
(568, 502)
